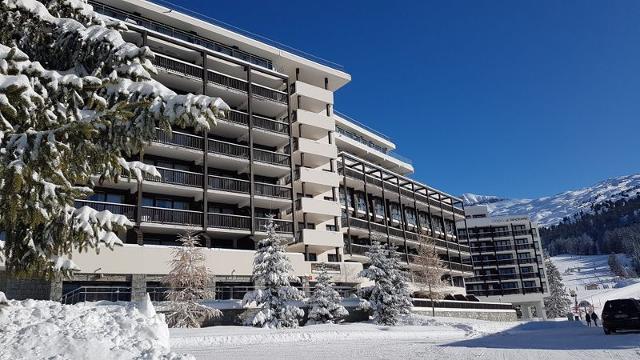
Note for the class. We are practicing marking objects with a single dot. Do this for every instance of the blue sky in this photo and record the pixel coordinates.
(512, 98)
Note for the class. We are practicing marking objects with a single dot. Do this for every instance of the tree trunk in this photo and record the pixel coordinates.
(433, 306)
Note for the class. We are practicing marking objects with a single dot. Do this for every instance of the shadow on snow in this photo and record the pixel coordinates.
(552, 335)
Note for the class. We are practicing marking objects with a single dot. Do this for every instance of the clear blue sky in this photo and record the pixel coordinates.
(512, 98)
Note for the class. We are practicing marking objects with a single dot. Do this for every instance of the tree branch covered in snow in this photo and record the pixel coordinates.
(75, 101)
(388, 298)
(271, 272)
(189, 282)
(558, 302)
(325, 301)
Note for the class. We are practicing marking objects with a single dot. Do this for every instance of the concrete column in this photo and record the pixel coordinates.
(542, 314)
(138, 287)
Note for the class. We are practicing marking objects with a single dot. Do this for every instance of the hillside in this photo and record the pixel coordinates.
(551, 210)
(578, 272)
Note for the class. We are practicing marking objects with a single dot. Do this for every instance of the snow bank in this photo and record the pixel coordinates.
(33, 329)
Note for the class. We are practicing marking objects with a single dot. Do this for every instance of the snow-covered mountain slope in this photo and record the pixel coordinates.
(593, 271)
(550, 210)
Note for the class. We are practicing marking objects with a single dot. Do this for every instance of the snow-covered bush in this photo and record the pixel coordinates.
(75, 101)
(189, 282)
(558, 302)
(388, 299)
(271, 272)
(325, 301)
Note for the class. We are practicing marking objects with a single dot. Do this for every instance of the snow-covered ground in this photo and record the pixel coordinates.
(33, 329)
(422, 338)
(580, 271)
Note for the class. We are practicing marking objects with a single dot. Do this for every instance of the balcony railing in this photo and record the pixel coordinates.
(178, 138)
(229, 149)
(237, 117)
(229, 221)
(171, 216)
(271, 157)
(121, 209)
(193, 71)
(228, 184)
(282, 226)
(270, 190)
(270, 125)
(176, 177)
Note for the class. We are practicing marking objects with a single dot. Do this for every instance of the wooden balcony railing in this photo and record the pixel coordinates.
(176, 177)
(121, 209)
(171, 216)
(229, 221)
(228, 184)
(270, 190)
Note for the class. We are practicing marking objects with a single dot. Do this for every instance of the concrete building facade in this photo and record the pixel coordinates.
(508, 262)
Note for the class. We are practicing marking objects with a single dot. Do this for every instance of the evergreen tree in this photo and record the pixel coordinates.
(429, 271)
(388, 298)
(558, 301)
(75, 101)
(271, 269)
(189, 282)
(325, 301)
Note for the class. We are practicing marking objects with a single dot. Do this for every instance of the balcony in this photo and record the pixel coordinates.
(315, 99)
(282, 226)
(120, 209)
(259, 122)
(271, 157)
(171, 216)
(229, 221)
(274, 191)
(229, 184)
(318, 210)
(320, 238)
(317, 180)
(186, 69)
(228, 149)
(176, 177)
(180, 139)
(316, 125)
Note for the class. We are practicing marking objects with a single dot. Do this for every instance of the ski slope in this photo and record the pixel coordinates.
(578, 272)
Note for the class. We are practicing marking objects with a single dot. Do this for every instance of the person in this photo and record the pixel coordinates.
(588, 318)
(594, 317)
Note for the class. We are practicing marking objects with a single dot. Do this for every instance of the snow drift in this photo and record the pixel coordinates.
(33, 329)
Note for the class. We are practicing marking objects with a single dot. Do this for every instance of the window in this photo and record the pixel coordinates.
(331, 228)
(333, 258)
(107, 197)
(526, 269)
(312, 257)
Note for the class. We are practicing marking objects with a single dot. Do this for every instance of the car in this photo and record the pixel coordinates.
(621, 314)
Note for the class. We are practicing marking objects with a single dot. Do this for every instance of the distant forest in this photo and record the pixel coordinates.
(610, 227)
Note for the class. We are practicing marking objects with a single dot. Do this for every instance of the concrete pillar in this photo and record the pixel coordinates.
(542, 314)
(138, 287)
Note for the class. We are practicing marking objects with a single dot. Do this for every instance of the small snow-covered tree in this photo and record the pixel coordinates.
(189, 282)
(388, 298)
(325, 301)
(429, 271)
(271, 273)
(558, 301)
(76, 100)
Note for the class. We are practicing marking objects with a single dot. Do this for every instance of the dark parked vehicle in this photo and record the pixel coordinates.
(621, 314)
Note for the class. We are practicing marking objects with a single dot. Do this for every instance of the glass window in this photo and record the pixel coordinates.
(115, 198)
(164, 203)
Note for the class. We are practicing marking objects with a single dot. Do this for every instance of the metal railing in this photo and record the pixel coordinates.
(180, 34)
(97, 293)
(179, 138)
(171, 216)
(176, 177)
(460, 304)
(121, 209)
(270, 190)
(237, 117)
(229, 221)
(228, 184)
(282, 226)
(270, 125)
(229, 149)
(271, 157)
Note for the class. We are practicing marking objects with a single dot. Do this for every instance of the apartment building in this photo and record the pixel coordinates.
(281, 151)
(508, 262)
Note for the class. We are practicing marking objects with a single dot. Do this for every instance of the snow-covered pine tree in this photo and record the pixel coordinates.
(388, 298)
(75, 101)
(558, 301)
(271, 273)
(429, 271)
(189, 282)
(325, 301)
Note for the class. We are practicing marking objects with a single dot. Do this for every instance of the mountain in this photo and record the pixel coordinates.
(551, 210)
